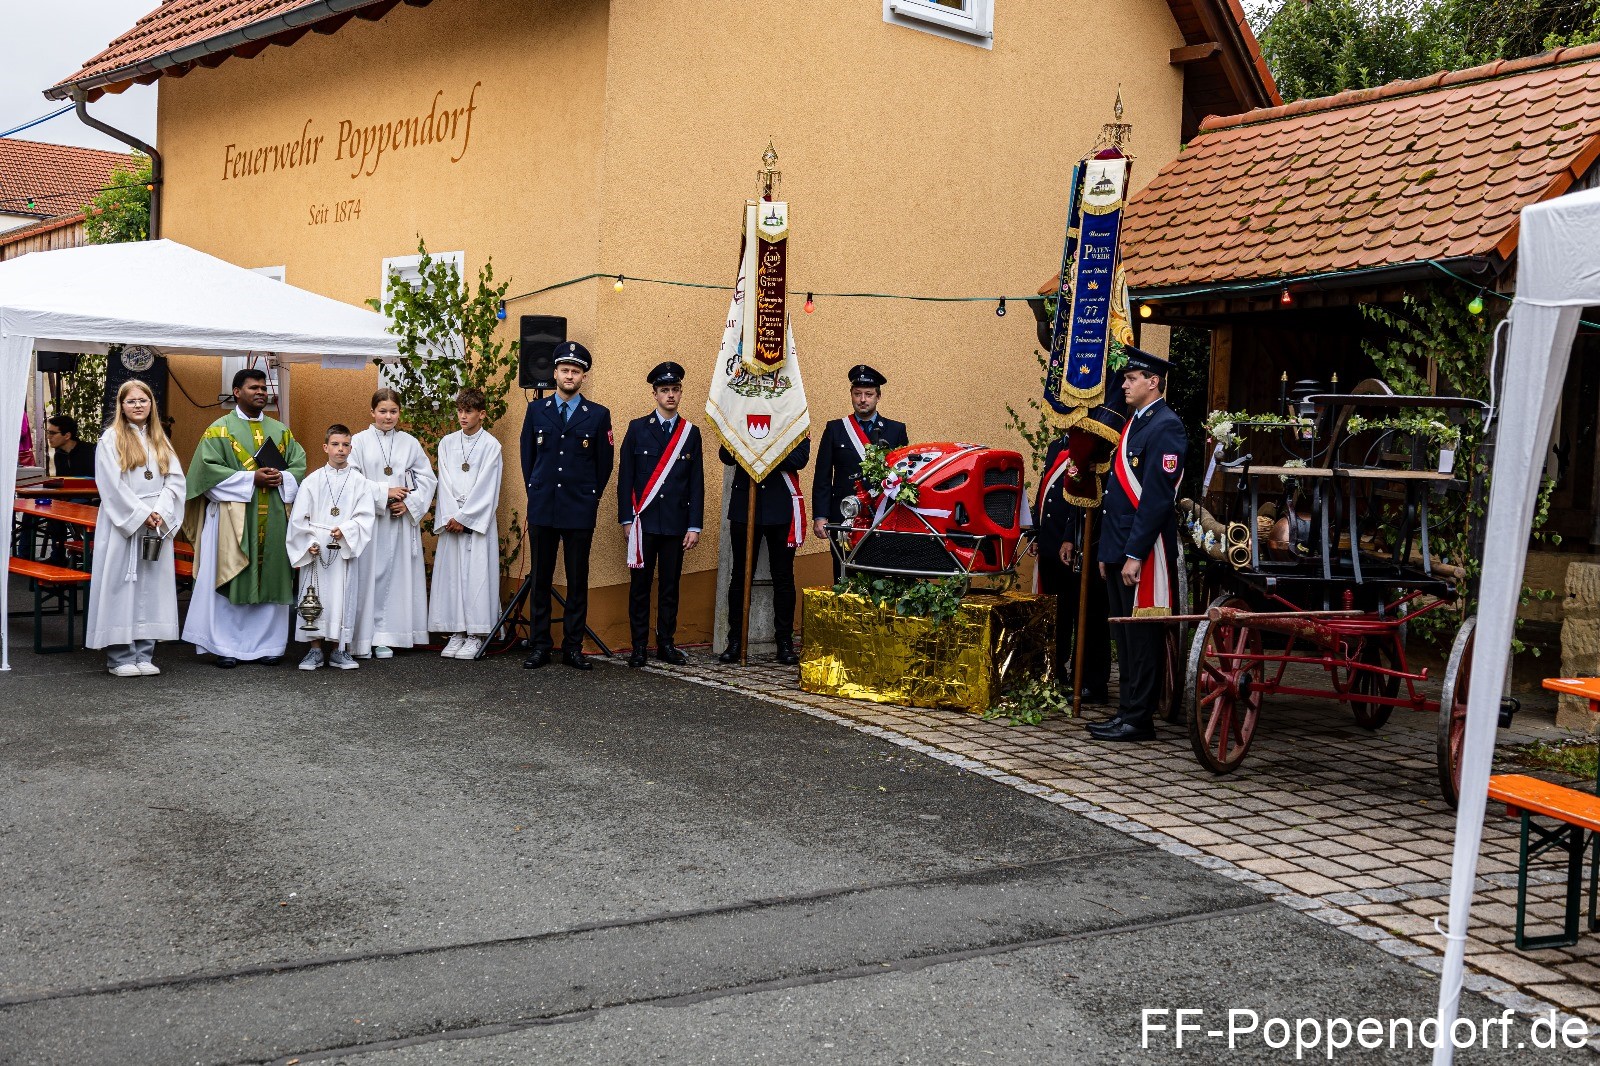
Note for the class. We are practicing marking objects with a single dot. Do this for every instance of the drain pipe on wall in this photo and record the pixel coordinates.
(81, 99)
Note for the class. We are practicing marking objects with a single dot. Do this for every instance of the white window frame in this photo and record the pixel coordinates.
(277, 376)
(407, 267)
(974, 26)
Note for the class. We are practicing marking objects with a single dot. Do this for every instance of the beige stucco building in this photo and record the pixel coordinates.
(568, 137)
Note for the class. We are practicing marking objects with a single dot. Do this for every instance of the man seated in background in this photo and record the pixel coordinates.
(69, 456)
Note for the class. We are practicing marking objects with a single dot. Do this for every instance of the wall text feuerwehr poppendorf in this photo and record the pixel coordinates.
(361, 146)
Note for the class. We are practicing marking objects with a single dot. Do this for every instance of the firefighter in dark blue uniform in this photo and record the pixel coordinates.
(1059, 529)
(566, 461)
(838, 461)
(1139, 542)
(777, 497)
(670, 511)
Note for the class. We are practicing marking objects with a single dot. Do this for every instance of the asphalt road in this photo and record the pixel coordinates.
(426, 861)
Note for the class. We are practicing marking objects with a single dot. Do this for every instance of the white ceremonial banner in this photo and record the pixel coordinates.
(760, 418)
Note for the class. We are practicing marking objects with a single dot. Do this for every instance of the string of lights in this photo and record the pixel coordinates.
(33, 198)
(619, 283)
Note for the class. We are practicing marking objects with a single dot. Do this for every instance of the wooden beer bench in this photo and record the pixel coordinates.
(59, 581)
(1577, 829)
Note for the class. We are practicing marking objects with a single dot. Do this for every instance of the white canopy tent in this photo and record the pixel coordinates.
(1558, 274)
(169, 297)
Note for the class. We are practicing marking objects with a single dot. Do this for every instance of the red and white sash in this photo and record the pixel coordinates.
(652, 489)
(1154, 594)
(797, 501)
(857, 435)
(1051, 476)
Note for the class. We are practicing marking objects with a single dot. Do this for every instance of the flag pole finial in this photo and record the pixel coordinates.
(771, 176)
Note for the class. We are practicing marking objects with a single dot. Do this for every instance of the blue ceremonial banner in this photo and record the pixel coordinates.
(1087, 302)
(1093, 282)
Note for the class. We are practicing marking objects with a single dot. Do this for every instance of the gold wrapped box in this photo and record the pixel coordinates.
(860, 651)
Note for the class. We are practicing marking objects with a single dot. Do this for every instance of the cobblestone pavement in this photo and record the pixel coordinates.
(1327, 818)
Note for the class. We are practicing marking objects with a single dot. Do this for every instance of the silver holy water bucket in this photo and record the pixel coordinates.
(150, 546)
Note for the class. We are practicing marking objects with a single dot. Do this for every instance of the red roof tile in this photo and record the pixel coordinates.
(180, 33)
(1431, 168)
(58, 178)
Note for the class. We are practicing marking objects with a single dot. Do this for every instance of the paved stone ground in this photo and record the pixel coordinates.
(1344, 825)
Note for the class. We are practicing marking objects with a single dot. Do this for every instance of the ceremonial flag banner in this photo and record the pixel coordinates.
(759, 411)
(766, 244)
(1092, 301)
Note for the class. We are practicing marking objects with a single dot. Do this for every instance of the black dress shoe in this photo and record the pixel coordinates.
(730, 654)
(577, 660)
(270, 660)
(540, 657)
(1093, 695)
(1128, 731)
(786, 654)
(669, 654)
(227, 662)
(638, 658)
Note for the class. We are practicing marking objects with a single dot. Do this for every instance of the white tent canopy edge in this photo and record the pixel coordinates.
(1558, 274)
(167, 296)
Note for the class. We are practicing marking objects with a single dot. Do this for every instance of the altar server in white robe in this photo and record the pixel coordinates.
(465, 599)
(394, 588)
(133, 602)
(329, 530)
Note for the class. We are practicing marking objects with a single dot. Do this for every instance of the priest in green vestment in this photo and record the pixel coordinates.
(237, 519)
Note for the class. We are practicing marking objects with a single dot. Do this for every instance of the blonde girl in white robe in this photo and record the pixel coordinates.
(335, 505)
(393, 611)
(133, 602)
(465, 599)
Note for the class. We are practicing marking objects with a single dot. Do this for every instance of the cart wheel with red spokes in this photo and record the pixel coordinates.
(1225, 694)
(1373, 652)
(1453, 711)
(1169, 699)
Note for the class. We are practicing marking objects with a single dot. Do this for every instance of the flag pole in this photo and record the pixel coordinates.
(769, 175)
(1083, 613)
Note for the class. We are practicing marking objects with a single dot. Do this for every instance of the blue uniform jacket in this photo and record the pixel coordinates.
(681, 504)
(1057, 520)
(566, 467)
(773, 504)
(1157, 444)
(838, 464)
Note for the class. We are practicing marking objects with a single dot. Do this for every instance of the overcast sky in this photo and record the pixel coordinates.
(47, 40)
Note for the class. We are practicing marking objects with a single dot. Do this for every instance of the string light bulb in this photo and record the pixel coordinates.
(1144, 311)
(618, 285)
(811, 303)
(1000, 309)
(1475, 305)
(1286, 298)
(500, 311)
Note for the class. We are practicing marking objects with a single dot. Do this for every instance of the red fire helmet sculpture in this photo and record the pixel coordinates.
(968, 517)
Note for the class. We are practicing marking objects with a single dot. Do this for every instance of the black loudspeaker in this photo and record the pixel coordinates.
(540, 335)
(57, 362)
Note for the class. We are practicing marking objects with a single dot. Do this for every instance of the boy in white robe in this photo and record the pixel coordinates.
(465, 599)
(393, 584)
(329, 529)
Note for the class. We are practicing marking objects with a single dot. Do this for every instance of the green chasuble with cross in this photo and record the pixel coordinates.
(259, 571)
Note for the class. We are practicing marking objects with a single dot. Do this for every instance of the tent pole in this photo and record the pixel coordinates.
(1536, 364)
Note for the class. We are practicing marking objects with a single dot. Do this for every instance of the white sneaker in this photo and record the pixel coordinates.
(379, 651)
(126, 670)
(313, 660)
(149, 669)
(469, 648)
(341, 660)
(454, 646)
